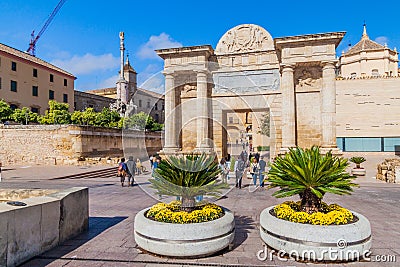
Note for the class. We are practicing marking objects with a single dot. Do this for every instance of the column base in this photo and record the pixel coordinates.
(170, 151)
(206, 150)
(335, 151)
(283, 151)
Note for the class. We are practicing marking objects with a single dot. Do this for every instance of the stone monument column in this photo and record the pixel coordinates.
(288, 108)
(328, 109)
(203, 107)
(171, 136)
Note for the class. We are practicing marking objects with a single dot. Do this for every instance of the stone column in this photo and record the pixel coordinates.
(288, 108)
(203, 107)
(170, 134)
(328, 109)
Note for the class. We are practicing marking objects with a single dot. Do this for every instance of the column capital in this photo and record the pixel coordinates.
(287, 67)
(169, 73)
(329, 64)
(202, 72)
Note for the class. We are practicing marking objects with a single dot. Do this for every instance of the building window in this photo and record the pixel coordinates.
(0, 82)
(65, 98)
(140, 103)
(13, 86)
(51, 94)
(34, 73)
(155, 106)
(13, 106)
(230, 119)
(368, 144)
(13, 66)
(156, 117)
(35, 91)
(65, 82)
(148, 104)
(35, 110)
(51, 78)
(353, 75)
(163, 106)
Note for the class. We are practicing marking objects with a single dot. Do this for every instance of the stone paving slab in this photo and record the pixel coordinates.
(110, 242)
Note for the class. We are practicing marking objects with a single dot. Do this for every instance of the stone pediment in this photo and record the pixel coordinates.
(243, 39)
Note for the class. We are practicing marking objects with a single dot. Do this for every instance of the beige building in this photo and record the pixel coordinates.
(368, 59)
(146, 101)
(28, 81)
(295, 79)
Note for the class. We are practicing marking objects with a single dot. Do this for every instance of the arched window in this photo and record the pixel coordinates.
(375, 73)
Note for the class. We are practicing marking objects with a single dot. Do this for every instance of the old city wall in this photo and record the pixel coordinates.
(368, 107)
(65, 144)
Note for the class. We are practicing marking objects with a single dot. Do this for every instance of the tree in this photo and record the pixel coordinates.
(24, 115)
(57, 114)
(5, 110)
(140, 121)
(77, 118)
(310, 175)
(265, 124)
(188, 176)
(107, 118)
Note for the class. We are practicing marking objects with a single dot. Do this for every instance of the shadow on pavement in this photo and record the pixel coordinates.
(244, 226)
(97, 225)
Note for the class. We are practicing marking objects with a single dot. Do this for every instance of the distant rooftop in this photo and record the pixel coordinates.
(27, 57)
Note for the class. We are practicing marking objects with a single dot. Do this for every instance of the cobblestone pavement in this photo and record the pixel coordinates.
(110, 242)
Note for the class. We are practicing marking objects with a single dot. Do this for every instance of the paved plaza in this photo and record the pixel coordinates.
(110, 242)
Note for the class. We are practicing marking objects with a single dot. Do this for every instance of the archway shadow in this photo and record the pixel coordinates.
(97, 225)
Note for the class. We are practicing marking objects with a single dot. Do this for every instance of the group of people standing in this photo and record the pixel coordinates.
(128, 169)
(255, 164)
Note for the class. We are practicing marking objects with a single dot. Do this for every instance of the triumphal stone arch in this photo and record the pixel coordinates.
(290, 78)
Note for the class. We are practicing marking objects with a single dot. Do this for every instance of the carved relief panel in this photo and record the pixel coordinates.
(308, 78)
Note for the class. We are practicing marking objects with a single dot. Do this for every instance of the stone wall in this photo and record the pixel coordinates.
(368, 107)
(65, 144)
(45, 222)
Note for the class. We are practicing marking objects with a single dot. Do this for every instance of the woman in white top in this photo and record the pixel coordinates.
(254, 169)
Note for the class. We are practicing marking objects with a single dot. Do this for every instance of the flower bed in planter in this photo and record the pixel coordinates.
(339, 241)
(200, 233)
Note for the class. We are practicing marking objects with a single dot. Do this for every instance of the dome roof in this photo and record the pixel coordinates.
(365, 44)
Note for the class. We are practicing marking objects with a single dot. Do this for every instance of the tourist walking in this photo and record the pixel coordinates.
(240, 165)
(122, 171)
(228, 164)
(262, 165)
(131, 166)
(224, 170)
(138, 166)
(254, 170)
(151, 159)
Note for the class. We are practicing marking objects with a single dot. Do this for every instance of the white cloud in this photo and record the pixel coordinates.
(155, 83)
(161, 41)
(382, 40)
(87, 63)
(109, 82)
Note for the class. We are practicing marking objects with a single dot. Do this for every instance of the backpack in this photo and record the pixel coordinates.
(241, 165)
(121, 171)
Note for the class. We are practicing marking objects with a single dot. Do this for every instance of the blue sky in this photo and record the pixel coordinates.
(83, 37)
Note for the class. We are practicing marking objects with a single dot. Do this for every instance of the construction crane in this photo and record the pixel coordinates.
(34, 39)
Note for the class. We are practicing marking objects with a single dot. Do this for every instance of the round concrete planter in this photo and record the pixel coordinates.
(184, 240)
(358, 172)
(316, 242)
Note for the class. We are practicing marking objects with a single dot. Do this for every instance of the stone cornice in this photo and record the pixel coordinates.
(336, 37)
(199, 49)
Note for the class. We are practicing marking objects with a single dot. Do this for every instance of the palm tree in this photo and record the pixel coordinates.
(309, 174)
(188, 176)
(357, 161)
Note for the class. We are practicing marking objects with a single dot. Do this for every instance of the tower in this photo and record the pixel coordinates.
(130, 76)
(122, 84)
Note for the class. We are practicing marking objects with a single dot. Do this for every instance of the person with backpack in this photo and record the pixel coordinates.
(262, 164)
(240, 165)
(254, 170)
(131, 167)
(122, 171)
